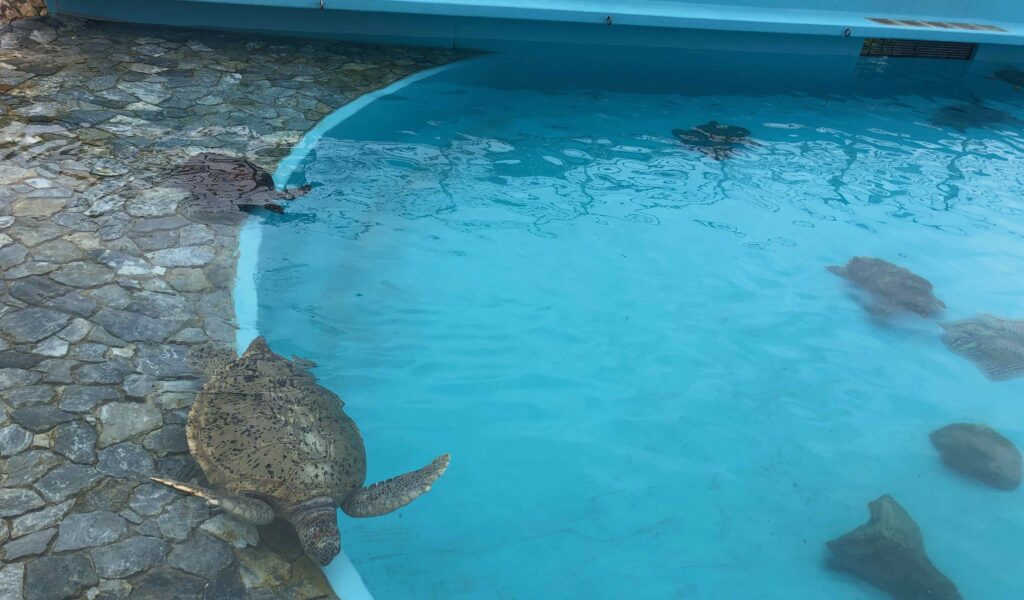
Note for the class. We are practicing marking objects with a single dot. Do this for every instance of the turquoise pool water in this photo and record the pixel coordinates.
(649, 384)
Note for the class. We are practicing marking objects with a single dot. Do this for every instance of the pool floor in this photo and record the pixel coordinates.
(649, 384)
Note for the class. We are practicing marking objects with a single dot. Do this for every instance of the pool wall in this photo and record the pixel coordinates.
(757, 25)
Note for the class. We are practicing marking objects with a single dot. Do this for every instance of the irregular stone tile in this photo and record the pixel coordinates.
(83, 275)
(53, 346)
(14, 439)
(182, 517)
(32, 544)
(41, 519)
(129, 556)
(28, 394)
(150, 498)
(124, 460)
(12, 577)
(227, 586)
(189, 256)
(89, 352)
(188, 280)
(166, 584)
(137, 385)
(11, 378)
(61, 576)
(76, 331)
(32, 324)
(168, 439)
(56, 370)
(40, 417)
(109, 372)
(76, 441)
(18, 501)
(82, 398)
(124, 420)
(134, 327)
(157, 202)
(38, 207)
(66, 480)
(202, 555)
(89, 530)
(27, 467)
(165, 361)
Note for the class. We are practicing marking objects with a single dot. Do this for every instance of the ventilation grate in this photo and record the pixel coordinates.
(936, 24)
(917, 49)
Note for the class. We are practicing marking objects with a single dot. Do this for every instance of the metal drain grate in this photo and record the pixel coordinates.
(935, 24)
(917, 49)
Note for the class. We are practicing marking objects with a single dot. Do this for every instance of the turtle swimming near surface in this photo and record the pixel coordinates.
(994, 344)
(1010, 75)
(272, 442)
(974, 114)
(714, 139)
(891, 286)
(222, 184)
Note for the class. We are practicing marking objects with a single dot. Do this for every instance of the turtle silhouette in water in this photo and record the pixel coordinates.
(714, 139)
(1010, 75)
(974, 114)
(222, 184)
(272, 442)
(994, 344)
(892, 287)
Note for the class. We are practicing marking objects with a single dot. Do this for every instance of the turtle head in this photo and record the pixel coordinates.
(319, 535)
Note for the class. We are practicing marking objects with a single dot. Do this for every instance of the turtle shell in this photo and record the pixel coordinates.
(262, 425)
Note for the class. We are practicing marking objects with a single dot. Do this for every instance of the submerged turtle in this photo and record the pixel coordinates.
(714, 139)
(1010, 75)
(994, 344)
(271, 441)
(222, 184)
(974, 114)
(892, 286)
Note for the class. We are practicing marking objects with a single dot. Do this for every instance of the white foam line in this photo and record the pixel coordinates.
(289, 164)
(345, 579)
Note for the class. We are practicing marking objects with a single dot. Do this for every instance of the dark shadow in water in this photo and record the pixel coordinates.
(714, 139)
(962, 116)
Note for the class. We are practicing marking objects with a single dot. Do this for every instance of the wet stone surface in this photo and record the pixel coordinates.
(113, 269)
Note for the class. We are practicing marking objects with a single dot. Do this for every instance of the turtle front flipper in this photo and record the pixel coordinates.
(387, 496)
(244, 508)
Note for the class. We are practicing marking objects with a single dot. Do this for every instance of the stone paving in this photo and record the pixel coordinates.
(109, 279)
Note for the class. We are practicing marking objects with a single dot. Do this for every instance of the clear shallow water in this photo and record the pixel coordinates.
(649, 384)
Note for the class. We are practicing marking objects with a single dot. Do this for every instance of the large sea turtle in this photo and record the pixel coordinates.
(892, 287)
(222, 184)
(1010, 75)
(994, 344)
(714, 139)
(272, 442)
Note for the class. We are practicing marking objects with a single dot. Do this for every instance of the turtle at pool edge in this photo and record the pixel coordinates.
(274, 443)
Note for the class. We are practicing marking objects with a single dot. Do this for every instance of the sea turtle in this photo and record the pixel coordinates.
(974, 114)
(222, 184)
(272, 442)
(892, 286)
(714, 139)
(994, 344)
(1010, 75)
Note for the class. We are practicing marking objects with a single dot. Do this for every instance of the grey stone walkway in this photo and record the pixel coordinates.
(108, 279)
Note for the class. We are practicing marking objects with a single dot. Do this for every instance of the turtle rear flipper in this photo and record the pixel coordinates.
(250, 510)
(387, 496)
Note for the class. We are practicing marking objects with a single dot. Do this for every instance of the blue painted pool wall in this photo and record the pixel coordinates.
(269, 16)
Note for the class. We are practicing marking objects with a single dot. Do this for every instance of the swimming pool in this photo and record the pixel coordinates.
(650, 385)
